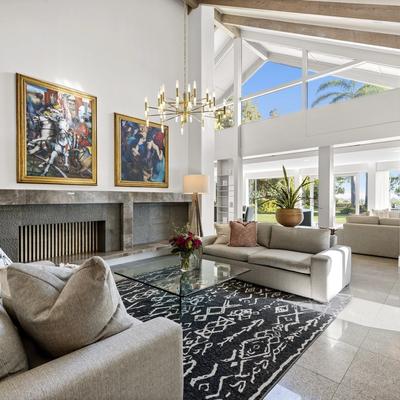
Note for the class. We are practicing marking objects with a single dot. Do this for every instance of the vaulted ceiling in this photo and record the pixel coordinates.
(334, 32)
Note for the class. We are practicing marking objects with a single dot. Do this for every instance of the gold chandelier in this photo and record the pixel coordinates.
(186, 106)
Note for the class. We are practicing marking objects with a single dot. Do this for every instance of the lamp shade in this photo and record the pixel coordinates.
(195, 184)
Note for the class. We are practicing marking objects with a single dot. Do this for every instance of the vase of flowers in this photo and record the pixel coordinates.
(185, 244)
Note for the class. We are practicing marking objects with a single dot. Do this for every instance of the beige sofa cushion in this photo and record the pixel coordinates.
(389, 221)
(304, 240)
(264, 233)
(283, 259)
(362, 219)
(233, 253)
(63, 309)
(223, 233)
(12, 354)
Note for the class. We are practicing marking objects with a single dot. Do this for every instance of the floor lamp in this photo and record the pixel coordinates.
(195, 184)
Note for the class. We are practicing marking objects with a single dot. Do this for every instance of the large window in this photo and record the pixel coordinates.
(350, 195)
(336, 89)
(395, 189)
(269, 76)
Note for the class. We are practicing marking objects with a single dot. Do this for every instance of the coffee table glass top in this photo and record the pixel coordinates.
(165, 273)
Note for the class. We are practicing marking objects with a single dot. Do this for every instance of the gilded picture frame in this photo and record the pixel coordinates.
(56, 134)
(141, 153)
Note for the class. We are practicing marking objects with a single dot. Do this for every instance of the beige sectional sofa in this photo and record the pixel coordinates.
(371, 235)
(302, 261)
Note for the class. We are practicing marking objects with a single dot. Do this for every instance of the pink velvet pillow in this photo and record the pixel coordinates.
(243, 234)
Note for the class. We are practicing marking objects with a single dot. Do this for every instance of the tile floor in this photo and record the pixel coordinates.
(358, 356)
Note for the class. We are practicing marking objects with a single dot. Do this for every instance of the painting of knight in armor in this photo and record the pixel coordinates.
(56, 134)
(141, 153)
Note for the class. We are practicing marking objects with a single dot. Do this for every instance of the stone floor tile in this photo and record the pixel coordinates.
(329, 358)
(384, 342)
(346, 332)
(300, 383)
(347, 393)
(373, 374)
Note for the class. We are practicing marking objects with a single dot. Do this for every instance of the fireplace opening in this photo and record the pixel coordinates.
(49, 241)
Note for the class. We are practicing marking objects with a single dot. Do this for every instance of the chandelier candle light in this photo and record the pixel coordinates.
(186, 106)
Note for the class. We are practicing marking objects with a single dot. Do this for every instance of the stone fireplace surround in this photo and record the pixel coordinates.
(131, 218)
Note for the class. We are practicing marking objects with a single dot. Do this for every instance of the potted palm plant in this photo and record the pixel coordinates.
(286, 198)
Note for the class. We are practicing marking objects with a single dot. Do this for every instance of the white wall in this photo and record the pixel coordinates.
(371, 117)
(119, 51)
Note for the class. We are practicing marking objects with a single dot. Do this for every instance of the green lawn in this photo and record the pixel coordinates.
(340, 219)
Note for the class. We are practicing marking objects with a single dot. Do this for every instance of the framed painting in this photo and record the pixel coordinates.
(141, 153)
(56, 134)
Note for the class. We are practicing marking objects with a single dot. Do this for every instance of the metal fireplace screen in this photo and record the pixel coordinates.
(47, 241)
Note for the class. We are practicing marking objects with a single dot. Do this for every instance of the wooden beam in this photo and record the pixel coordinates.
(376, 12)
(232, 31)
(348, 35)
(192, 3)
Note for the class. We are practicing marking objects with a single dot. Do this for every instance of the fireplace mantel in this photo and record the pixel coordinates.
(23, 196)
(132, 208)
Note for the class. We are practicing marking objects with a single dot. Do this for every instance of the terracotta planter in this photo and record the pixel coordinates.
(289, 216)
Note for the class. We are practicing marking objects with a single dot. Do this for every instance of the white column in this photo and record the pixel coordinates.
(202, 141)
(326, 203)
(357, 183)
(304, 85)
(371, 186)
(297, 181)
(382, 201)
(237, 104)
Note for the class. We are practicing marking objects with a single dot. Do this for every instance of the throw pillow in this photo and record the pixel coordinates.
(223, 233)
(380, 213)
(394, 214)
(243, 234)
(65, 309)
(12, 354)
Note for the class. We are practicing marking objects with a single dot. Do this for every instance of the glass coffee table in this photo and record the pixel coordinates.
(164, 273)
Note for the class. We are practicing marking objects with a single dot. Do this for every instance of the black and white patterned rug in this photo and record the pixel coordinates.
(238, 338)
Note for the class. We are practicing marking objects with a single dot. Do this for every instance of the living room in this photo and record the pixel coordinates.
(200, 199)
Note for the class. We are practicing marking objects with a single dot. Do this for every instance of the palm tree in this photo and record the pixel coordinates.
(344, 89)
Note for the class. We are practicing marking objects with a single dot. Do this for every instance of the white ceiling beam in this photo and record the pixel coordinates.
(353, 50)
(258, 49)
(376, 12)
(327, 32)
(223, 52)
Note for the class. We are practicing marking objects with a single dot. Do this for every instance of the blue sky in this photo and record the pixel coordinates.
(284, 102)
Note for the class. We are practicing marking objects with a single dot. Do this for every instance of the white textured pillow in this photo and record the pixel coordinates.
(223, 233)
(394, 214)
(12, 354)
(65, 309)
(380, 213)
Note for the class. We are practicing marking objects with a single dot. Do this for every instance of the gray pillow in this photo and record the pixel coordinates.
(264, 233)
(64, 309)
(304, 240)
(12, 354)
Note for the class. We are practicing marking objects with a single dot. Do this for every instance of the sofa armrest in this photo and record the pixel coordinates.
(207, 240)
(143, 362)
(330, 272)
